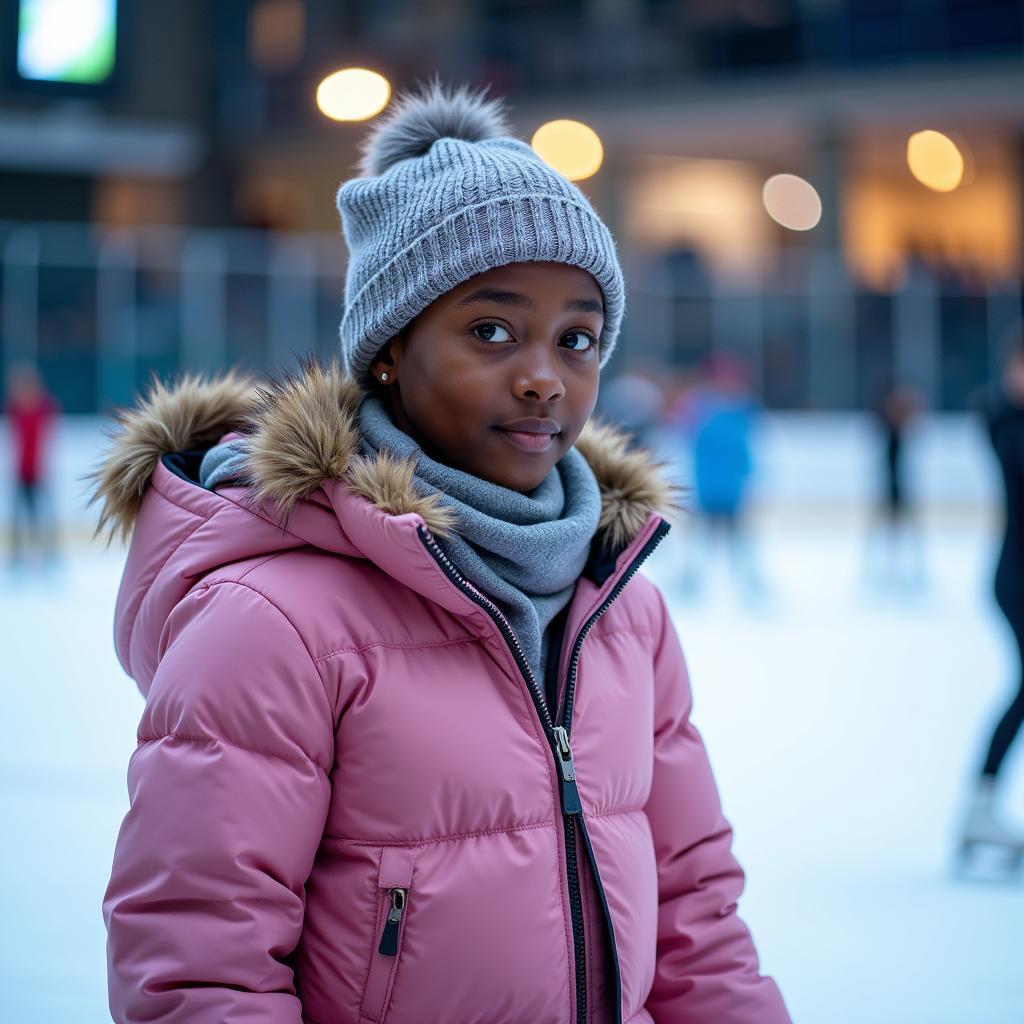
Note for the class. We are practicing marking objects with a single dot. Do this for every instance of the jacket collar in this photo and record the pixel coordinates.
(303, 430)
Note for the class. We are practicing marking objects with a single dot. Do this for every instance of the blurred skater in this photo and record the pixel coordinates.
(718, 415)
(634, 402)
(30, 410)
(897, 535)
(1005, 420)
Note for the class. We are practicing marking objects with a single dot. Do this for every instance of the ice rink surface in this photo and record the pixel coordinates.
(843, 721)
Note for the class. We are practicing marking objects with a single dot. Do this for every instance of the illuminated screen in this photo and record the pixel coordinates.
(67, 40)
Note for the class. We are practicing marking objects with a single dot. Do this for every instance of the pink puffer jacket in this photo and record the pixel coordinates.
(349, 801)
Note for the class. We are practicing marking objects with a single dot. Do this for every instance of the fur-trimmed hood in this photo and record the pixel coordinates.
(303, 430)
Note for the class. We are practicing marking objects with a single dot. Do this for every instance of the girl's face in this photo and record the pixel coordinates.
(498, 376)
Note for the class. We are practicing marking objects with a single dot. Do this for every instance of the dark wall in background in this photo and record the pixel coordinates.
(35, 196)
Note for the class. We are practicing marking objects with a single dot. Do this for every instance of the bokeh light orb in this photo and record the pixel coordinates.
(570, 147)
(792, 202)
(353, 94)
(935, 160)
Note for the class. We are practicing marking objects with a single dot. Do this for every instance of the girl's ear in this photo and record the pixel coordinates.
(384, 367)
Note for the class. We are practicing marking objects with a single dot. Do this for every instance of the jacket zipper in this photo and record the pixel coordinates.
(567, 706)
(558, 737)
(384, 963)
(389, 935)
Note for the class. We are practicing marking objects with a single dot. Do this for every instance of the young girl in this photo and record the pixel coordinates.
(416, 745)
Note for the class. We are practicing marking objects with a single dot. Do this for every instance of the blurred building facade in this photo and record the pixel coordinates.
(179, 213)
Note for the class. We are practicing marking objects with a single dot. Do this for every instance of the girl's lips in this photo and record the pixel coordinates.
(527, 442)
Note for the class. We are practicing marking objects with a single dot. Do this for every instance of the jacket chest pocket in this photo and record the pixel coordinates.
(394, 888)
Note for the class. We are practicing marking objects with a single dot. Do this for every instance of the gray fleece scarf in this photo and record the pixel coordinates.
(524, 551)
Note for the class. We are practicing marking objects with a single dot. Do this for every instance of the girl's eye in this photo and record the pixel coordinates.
(584, 341)
(490, 332)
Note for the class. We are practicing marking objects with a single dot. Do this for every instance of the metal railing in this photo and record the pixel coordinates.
(100, 311)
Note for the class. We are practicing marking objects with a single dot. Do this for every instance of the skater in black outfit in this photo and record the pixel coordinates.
(897, 531)
(1005, 420)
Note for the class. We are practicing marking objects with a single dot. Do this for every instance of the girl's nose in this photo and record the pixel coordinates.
(538, 379)
(540, 387)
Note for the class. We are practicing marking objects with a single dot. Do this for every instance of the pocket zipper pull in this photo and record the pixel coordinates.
(389, 936)
(570, 794)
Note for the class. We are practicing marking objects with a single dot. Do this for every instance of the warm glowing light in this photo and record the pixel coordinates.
(571, 147)
(935, 161)
(353, 94)
(792, 202)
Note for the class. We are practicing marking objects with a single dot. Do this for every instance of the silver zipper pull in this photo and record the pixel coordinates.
(389, 936)
(570, 794)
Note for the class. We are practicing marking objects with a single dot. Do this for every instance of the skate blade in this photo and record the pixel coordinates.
(983, 860)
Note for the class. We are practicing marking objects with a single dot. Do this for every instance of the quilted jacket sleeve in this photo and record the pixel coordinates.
(707, 966)
(229, 794)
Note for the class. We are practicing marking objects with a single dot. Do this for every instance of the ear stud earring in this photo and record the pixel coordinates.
(384, 378)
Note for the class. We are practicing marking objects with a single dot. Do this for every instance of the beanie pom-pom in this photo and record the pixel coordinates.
(419, 119)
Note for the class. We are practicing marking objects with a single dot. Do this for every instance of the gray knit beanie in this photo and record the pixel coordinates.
(446, 194)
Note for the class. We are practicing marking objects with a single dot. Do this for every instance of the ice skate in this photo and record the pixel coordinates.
(983, 829)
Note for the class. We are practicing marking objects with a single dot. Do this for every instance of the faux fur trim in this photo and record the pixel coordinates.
(303, 429)
(306, 431)
(193, 413)
(633, 483)
(387, 482)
